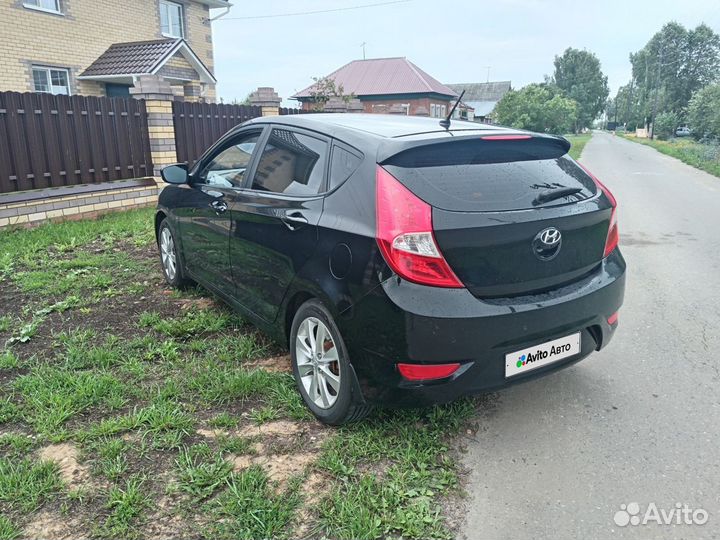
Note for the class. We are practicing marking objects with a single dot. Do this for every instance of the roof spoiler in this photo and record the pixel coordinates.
(492, 147)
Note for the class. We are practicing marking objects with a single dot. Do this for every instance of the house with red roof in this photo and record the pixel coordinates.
(388, 85)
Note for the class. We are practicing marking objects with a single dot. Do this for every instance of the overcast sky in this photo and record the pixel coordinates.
(453, 41)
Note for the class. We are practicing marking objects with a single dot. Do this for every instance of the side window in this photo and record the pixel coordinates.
(227, 169)
(342, 165)
(291, 163)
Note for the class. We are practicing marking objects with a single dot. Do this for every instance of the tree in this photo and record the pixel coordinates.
(665, 125)
(324, 89)
(704, 112)
(537, 107)
(578, 75)
(673, 65)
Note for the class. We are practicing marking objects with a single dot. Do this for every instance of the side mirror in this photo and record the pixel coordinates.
(175, 174)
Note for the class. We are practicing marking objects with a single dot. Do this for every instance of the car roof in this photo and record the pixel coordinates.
(379, 125)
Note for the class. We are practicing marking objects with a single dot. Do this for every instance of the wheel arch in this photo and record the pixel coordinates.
(297, 299)
(160, 215)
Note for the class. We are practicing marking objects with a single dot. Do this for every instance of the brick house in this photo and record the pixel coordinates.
(101, 47)
(388, 85)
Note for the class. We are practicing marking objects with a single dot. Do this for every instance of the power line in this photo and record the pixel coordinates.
(297, 13)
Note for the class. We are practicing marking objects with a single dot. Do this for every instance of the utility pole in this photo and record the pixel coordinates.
(363, 48)
(488, 73)
(657, 91)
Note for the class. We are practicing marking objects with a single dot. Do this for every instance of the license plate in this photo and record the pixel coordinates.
(541, 355)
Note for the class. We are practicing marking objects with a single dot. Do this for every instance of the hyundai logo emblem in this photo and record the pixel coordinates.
(546, 244)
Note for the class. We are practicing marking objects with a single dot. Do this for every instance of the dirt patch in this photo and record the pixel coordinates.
(273, 364)
(313, 487)
(164, 523)
(279, 427)
(66, 456)
(279, 467)
(197, 303)
(51, 526)
(211, 433)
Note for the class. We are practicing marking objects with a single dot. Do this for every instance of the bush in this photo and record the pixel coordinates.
(537, 107)
(704, 112)
(665, 125)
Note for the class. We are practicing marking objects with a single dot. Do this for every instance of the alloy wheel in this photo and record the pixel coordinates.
(167, 253)
(318, 362)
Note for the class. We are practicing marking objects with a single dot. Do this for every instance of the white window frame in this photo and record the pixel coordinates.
(167, 5)
(433, 108)
(30, 5)
(48, 71)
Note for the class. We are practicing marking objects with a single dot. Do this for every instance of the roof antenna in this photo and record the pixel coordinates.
(446, 121)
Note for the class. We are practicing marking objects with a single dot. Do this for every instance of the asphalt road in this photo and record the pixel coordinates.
(639, 421)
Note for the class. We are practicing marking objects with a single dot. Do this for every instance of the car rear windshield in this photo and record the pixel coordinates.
(488, 176)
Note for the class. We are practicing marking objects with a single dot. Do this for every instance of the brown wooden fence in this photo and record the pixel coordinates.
(199, 125)
(53, 141)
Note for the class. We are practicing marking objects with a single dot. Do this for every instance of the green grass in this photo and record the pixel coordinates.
(102, 357)
(25, 484)
(112, 457)
(16, 444)
(201, 472)
(51, 396)
(250, 508)
(703, 156)
(192, 323)
(126, 505)
(8, 530)
(67, 236)
(412, 446)
(578, 142)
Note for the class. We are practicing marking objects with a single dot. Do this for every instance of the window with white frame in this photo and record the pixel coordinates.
(44, 5)
(433, 112)
(55, 81)
(171, 19)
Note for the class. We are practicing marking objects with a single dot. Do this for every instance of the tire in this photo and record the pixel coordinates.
(170, 258)
(327, 382)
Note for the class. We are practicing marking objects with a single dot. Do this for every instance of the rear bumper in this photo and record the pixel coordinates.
(406, 322)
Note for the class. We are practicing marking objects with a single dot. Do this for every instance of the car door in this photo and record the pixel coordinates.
(275, 220)
(206, 231)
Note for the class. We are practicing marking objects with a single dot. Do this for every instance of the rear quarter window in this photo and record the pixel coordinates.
(343, 163)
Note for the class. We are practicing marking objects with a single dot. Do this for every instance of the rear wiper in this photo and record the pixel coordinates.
(547, 196)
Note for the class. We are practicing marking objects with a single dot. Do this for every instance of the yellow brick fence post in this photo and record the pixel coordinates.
(267, 99)
(158, 98)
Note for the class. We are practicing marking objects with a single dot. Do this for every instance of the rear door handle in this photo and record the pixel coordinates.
(220, 207)
(294, 220)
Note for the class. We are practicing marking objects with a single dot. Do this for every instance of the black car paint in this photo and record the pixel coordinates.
(383, 318)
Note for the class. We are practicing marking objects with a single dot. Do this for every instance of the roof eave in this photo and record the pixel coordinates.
(212, 4)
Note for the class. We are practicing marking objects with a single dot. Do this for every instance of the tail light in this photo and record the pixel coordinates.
(405, 235)
(613, 236)
(427, 372)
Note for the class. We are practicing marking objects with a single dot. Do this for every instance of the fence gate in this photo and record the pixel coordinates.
(199, 125)
(54, 141)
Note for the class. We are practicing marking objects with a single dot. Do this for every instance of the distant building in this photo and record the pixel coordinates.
(100, 48)
(482, 96)
(389, 85)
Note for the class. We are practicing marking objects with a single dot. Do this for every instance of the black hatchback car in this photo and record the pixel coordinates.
(402, 262)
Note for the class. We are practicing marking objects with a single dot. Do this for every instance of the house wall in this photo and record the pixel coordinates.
(381, 106)
(83, 32)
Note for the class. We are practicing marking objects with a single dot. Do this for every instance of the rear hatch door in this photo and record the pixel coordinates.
(492, 201)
